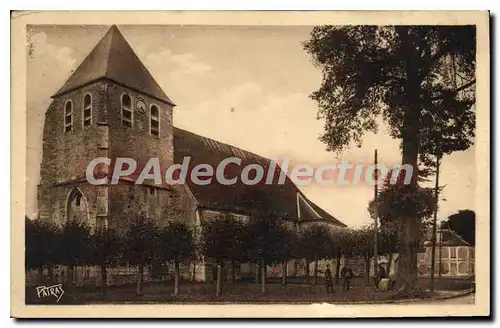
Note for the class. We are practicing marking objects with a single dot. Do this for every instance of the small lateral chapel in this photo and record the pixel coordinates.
(112, 107)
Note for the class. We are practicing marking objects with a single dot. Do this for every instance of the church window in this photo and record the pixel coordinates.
(78, 199)
(87, 110)
(154, 118)
(126, 111)
(68, 116)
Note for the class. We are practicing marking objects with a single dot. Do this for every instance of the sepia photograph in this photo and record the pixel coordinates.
(302, 161)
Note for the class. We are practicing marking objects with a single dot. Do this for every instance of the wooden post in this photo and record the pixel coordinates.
(434, 224)
(375, 226)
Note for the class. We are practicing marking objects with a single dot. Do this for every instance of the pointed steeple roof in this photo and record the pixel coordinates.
(114, 59)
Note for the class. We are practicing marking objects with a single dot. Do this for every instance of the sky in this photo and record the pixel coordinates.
(245, 86)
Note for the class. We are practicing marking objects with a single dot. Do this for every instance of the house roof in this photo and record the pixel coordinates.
(277, 198)
(451, 238)
(114, 59)
(446, 237)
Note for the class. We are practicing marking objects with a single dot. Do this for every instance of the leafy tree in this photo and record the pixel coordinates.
(75, 246)
(355, 242)
(337, 248)
(388, 241)
(443, 135)
(392, 204)
(198, 248)
(106, 246)
(223, 238)
(395, 199)
(362, 245)
(42, 240)
(286, 248)
(394, 72)
(265, 242)
(464, 224)
(141, 240)
(176, 244)
(316, 245)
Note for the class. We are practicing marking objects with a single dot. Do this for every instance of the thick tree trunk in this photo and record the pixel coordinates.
(104, 278)
(284, 273)
(406, 276)
(219, 280)
(337, 267)
(263, 274)
(177, 278)
(307, 268)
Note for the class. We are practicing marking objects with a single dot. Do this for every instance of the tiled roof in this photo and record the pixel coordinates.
(281, 199)
(451, 238)
(113, 58)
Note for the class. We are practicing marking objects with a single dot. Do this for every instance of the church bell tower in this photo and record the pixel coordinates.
(109, 107)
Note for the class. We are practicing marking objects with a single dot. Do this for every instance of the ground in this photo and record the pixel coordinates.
(297, 291)
(463, 300)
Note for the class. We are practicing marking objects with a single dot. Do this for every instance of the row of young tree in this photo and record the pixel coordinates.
(224, 241)
(142, 244)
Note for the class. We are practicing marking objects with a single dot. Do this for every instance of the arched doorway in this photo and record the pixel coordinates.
(77, 207)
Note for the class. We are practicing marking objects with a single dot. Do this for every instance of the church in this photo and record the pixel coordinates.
(112, 107)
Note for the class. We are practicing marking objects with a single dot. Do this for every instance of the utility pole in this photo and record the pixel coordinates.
(434, 223)
(375, 226)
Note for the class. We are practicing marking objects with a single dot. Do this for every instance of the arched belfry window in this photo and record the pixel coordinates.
(68, 116)
(87, 110)
(126, 110)
(154, 121)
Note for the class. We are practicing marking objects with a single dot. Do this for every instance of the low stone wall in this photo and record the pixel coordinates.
(86, 275)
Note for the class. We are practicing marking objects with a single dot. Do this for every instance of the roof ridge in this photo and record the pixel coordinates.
(108, 54)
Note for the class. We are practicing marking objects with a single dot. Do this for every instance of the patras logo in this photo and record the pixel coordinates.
(230, 170)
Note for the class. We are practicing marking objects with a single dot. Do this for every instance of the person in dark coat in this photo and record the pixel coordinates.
(381, 274)
(328, 279)
(346, 274)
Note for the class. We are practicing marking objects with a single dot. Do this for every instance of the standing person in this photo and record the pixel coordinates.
(346, 275)
(328, 279)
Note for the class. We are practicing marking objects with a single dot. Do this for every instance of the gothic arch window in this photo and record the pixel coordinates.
(77, 207)
(87, 110)
(68, 116)
(154, 120)
(127, 111)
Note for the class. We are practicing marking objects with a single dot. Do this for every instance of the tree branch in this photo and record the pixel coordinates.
(463, 87)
